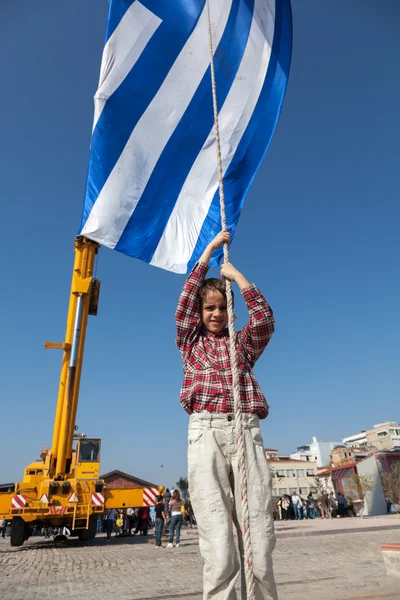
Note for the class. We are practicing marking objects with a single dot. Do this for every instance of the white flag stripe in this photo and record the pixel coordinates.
(109, 216)
(122, 51)
(174, 251)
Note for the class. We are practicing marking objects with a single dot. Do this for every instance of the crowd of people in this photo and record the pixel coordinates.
(168, 517)
(328, 506)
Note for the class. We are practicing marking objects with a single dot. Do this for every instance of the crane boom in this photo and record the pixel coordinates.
(73, 348)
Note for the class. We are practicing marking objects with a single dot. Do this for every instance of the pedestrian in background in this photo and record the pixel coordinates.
(110, 522)
(167, 500)
(285, 507)
(143, 520)
(279, 507)
(311, 506)
(176, 519)
(160, 520)
(297, 505)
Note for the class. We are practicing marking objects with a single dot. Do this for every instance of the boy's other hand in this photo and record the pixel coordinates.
(223, 237)
(228, 271)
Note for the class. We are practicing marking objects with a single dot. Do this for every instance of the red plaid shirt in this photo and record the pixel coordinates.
(207, 383)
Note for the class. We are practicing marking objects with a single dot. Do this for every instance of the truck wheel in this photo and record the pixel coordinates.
(18, 531)
(88, 534)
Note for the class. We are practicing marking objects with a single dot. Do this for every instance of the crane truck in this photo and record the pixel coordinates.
(64, 487)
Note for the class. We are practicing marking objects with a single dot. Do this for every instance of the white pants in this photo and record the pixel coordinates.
(215, 496)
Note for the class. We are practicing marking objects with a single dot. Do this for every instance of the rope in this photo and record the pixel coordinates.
(248, 553)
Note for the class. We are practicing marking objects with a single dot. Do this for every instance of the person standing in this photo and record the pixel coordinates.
(143, 520)
(207, 395)
(110, 522)
(285, 507)
(176, 519)
(160, 520)
(167, 500)
(342, 505)
(311, 505)
(297, 505)
(279, 507)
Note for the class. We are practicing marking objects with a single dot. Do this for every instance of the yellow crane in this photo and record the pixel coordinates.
(64, 488)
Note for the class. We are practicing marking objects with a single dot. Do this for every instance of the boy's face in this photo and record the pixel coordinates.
(214, 314)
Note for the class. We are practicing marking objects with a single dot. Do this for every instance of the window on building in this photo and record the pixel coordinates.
(282, 491)
(382, 433)
(290, 473)
(310, 473)
(394, 431)
(280, 473)
(292, 490)
(300, 472)
(303, 491)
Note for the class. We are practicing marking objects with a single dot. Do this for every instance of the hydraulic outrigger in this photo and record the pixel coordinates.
(64, 488)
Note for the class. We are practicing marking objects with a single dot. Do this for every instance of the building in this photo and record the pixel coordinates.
(291, 475)
(359, 439)
(374, 465)
(383, 436)
(318, 452)
(341, 474)
(343, 455)
(119, 479)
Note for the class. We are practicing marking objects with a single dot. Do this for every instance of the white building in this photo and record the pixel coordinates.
(317, 452)
(359, 439)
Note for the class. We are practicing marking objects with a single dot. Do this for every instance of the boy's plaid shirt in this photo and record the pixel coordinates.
(207, 383)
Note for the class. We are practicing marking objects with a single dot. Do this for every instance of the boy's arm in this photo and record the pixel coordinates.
(256, 334)
(187, 315)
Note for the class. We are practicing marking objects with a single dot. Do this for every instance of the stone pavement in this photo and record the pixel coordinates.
(309, 565)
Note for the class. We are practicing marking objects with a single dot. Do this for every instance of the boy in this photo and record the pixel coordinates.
(206, 394)
(160, 519)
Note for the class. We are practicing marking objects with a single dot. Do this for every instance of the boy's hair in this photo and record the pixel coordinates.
(211, 285)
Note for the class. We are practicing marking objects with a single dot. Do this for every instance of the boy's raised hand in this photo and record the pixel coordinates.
(228, 271)
(223, 237)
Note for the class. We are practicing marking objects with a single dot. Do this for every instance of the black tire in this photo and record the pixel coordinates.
(88, 534)
(18, 531)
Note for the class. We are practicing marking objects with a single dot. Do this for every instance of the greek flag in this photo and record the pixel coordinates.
(152, 184)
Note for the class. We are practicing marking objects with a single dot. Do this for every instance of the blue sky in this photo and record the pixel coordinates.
(318, 234)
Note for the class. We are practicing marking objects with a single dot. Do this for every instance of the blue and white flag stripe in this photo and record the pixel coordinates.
(152, 186)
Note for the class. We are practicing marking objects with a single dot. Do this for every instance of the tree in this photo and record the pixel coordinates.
(183, 485)
(366, 485)
(321, 486)
(391, 485)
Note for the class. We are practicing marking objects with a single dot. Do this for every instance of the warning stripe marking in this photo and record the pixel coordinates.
(18, 501)
(150, 496)
(57, 510)
(98, 499)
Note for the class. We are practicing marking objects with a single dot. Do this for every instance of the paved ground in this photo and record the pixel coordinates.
(309, 565)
